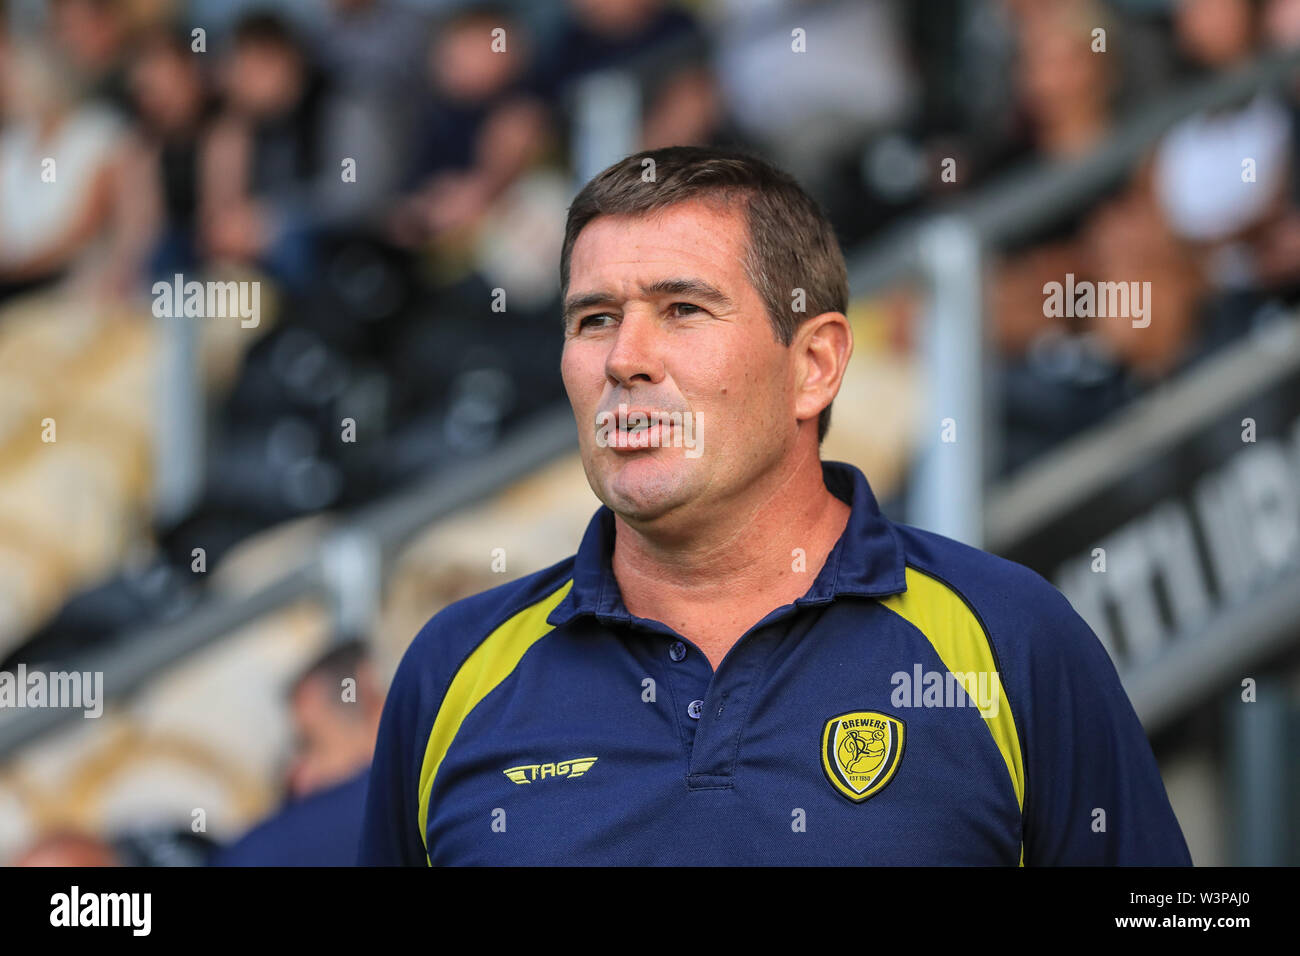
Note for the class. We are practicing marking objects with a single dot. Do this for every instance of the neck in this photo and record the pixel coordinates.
(731, 568)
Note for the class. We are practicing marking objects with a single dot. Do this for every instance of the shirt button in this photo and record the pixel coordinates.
(677, 651)
(695, 709)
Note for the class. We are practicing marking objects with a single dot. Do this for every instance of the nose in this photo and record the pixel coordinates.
(637, 350)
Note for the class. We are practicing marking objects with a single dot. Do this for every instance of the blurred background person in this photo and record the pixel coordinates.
(664, 43)
(174, 110)
(373, 53)
(263, 198)
(1205, 190)
(813, 84)
(58, 167)
(1063, 374)
(336, 703)
(480, 125)
(95, 38)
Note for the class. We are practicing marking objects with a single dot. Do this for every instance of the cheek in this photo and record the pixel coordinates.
(740, 390)
(759, 371)
(576, 373)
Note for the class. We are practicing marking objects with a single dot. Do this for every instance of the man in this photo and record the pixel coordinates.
(723, 673)
(335, 704)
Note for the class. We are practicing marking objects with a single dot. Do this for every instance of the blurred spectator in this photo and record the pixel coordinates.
(686, 109)
(482, 127)
(1067, 90)
(93, 35)
(336, 703)
(1277, 254)
(808, 108)
(1216, 34)
(1062, 374)
(1129, 239)
(1206, 192)
(1224, 178)
(373, 53)
(1066, 93)
(270, 179)
(664, 49)
(58, 164)
(963, 53)
(1282, 24)
(1203, 186)
(335, 739)
(160, 195)
(373, 46)
(1227, 179)
(597, 35)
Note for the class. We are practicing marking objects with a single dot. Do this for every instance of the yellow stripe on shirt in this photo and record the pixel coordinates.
(948, 623)
(490, 664)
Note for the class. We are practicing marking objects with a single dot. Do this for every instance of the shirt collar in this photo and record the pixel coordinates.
(866, 561)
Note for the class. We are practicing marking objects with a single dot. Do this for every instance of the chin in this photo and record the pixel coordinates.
(643, 488)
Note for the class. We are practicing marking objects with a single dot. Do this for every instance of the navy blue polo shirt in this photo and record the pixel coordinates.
(923, 703)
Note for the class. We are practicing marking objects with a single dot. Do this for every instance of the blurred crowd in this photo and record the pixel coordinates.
(1209, 217)
(380, 159)
(383, 166)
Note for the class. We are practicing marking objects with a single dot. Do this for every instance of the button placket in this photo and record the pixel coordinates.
(717, 736)
(686, 676)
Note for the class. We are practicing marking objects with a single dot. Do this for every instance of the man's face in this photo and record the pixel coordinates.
(674, 349)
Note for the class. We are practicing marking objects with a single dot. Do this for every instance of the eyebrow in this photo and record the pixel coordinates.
(686, 288)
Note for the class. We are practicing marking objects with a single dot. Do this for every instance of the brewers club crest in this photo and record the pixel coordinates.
(861, 751)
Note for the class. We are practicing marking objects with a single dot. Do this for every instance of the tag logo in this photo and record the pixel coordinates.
(861, 751)
(540, 771)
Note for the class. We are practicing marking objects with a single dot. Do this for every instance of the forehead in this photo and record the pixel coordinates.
(705, 239)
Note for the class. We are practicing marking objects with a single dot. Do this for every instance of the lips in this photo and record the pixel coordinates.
(639, 428)
(649, 437)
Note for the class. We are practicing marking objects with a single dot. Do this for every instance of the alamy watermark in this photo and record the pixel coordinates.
(78, 690)
(1101, 300)
(920, 688)
(209, 300)
(133, 911)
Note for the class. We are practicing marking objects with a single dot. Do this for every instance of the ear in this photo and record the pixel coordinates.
(822, 347)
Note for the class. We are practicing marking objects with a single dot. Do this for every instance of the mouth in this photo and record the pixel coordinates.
(640, 429)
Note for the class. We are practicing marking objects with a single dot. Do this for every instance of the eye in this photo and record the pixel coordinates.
(582, 322)
(687, 305)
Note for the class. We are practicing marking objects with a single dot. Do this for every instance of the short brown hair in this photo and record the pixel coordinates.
(791, 244)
